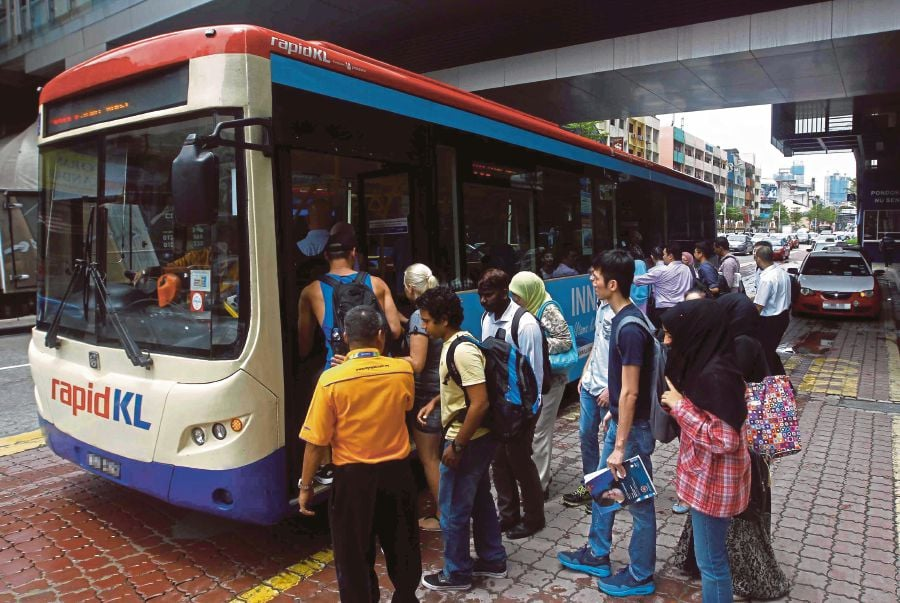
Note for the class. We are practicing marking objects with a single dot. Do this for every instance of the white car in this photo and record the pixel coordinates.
(824, 241)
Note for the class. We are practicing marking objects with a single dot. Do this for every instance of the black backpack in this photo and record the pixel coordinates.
(345, 297)
(511, 385)
(662, 425)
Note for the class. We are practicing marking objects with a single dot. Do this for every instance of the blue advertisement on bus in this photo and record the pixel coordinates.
(576, 297)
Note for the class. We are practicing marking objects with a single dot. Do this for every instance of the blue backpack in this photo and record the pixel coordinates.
(511, 384)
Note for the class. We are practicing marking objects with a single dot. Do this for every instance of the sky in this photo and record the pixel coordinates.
(748, 129)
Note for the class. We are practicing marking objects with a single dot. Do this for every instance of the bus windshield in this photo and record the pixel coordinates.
(107, 200)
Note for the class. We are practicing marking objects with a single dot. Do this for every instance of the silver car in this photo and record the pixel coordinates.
(740, 244)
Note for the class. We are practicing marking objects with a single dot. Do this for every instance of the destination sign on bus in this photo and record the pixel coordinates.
(160, 91)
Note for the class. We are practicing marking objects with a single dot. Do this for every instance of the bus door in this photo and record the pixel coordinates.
(386, 236)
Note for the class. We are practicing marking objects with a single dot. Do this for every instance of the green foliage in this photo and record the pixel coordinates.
(734, 213)
(822, 213)
(588, 129)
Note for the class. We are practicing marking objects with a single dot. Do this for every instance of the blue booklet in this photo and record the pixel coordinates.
(612, 494)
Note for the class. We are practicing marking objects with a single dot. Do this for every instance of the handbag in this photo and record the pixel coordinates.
(773, 430)
(561, 361)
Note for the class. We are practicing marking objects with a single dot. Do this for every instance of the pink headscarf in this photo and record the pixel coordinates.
(687, 258)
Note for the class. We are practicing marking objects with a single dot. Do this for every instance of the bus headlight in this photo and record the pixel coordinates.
(198, 436)
(806, 291)
(869, 293)
(218, 430)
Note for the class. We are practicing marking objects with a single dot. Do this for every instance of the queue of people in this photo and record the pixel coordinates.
(367, 407)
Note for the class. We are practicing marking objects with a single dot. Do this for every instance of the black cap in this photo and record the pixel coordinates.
(341, 239)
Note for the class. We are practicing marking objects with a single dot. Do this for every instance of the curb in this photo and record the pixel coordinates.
(21, 324)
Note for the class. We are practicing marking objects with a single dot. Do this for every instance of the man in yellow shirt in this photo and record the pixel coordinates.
(465, 487)
(359, 409)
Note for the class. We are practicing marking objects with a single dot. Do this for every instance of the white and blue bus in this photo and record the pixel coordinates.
(165, 352)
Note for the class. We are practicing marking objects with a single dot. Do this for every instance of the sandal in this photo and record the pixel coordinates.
(430, 523)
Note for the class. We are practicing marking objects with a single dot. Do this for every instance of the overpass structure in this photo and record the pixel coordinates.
(828, 68)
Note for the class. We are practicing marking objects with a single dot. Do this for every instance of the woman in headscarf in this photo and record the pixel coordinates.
(527, 289)
(706, 398)
(755, 573)
(688, 260)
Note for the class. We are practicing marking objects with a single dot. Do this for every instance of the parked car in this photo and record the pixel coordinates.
(837, 282)
(781, 249)
(823, 241)
(740, 244)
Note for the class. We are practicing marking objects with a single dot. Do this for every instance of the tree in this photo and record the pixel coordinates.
(734, 213)
(780, 214)
(796, 216)
(588, 129)
(821, 214)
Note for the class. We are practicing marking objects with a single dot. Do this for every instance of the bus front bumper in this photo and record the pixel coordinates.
(254, 493)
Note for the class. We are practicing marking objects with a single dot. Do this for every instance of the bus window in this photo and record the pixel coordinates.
(498, 232)
(175, 287)
(324, 191)
(564, 223)
(602, 202)
(388, 250)
(447, 264)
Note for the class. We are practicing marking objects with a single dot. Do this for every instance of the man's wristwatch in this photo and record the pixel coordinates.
(303, 486)
(457, 448)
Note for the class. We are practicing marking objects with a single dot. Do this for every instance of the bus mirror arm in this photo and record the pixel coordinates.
(215, 139)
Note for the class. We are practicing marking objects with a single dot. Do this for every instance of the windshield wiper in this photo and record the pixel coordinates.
(89, 273)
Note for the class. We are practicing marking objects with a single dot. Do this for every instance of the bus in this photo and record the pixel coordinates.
(182, 177)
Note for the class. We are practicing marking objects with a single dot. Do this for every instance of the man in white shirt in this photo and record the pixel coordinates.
(773, 302)
(594, 400)
(513, 467)
(670, 282)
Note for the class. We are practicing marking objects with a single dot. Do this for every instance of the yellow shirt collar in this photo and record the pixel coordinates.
(363, 353)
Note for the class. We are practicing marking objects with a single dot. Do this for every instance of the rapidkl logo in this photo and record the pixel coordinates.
(98, 403)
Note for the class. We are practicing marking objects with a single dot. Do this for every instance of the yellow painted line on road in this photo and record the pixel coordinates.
(289, 578)
(896, 441)
(894, 368)
(832, 376)
(21, 442)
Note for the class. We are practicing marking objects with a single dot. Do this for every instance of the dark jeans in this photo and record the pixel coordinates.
(888, 256)
(771, 330)
(466, 501)
(514, 468)
(369, 501)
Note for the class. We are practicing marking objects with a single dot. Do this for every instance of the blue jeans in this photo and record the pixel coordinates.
(464, 493)
(589, 431)
(642, 549)
(712, 556)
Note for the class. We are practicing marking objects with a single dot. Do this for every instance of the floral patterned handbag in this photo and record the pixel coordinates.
(773, 429)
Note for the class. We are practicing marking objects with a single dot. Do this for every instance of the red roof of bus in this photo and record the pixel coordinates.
(170, 49)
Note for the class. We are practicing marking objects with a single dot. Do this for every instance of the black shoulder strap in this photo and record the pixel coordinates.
(453, 373)
(359, 278)
(330, 281)
(517, 317)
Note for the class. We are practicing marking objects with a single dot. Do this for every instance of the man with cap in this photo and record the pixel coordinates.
(316, 298)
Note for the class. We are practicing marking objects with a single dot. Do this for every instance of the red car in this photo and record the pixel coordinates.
(837, 283)
(781, 249)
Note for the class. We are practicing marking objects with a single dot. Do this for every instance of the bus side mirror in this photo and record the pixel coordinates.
(195, 184)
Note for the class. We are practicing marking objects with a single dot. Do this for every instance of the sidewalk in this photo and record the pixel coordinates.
(836, 505)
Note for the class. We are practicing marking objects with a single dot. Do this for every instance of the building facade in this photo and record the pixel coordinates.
(636, 135)
(836, 188)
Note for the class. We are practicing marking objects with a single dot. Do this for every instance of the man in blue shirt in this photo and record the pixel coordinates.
(628, 434)
(705, 271)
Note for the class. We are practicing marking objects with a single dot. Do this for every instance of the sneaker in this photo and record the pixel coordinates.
(325, 474)
(623, 584)
(441, 582)
(680, 508)
(583, 560)
(489, 570)
(580, 496)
